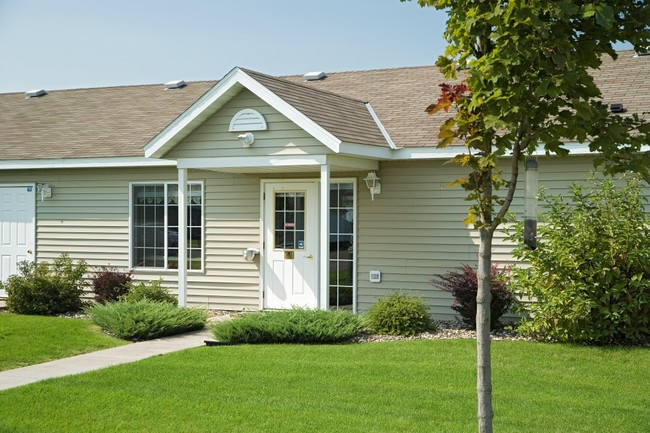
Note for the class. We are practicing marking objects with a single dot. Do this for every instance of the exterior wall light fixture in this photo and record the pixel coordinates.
(246, 139)
(372, 182)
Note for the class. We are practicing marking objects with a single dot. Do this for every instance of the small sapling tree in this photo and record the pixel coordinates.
(526, 82)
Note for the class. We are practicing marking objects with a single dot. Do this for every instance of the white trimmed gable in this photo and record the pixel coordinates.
(220, 94)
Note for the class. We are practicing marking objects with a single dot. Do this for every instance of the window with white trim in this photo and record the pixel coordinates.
(154, 225)
(341, 246)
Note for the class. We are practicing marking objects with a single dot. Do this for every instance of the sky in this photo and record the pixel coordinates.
(64, 44)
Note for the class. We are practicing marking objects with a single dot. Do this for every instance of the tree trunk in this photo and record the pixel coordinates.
(483, 355)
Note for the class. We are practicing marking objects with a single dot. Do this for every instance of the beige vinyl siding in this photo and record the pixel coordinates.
(212, 138)
(88, 217)
(415, 228)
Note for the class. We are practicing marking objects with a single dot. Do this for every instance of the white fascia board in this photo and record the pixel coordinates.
(366, 151)
(380, 126)
(577, 149)
(289, 111)
(252, 161)
(207, 105)
(574, 148)
(190, 117)
(31, 164)
(426, 153)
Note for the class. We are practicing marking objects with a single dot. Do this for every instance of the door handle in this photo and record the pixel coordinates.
(309, 257)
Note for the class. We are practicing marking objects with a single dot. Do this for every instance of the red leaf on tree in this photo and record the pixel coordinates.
(449, 94)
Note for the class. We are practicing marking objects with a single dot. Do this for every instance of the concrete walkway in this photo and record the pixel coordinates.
(102, 359)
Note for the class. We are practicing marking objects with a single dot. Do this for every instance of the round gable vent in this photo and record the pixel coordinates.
(247, 120)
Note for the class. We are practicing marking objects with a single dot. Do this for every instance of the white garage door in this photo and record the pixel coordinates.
(17, 236)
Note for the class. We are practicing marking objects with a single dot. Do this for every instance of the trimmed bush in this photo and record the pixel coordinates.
(289, 326)
(151, 291)
(109, 284)
(589, 278)
(400, 314)
(145, 320)
(463, 285)
(46, 289)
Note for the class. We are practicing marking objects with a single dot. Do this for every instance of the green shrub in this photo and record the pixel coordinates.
(46, 290)
(463, 285)
(151, 291)
(144, 320)
(289, 326)
(400, 314)
(589, 278)
(109, 284)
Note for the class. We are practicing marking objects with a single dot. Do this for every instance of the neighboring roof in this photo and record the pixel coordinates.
(120, 121)
(90, 123)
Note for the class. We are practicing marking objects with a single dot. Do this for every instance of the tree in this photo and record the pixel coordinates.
(525, 67)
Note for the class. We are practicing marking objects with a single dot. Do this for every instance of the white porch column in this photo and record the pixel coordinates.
(324, 235)
(182, 237)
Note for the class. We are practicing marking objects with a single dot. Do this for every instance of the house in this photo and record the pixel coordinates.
(274, 171)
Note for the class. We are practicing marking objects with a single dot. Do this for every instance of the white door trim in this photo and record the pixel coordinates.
(307, 257)
(323, 302)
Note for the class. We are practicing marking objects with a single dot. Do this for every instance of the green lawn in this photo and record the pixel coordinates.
(418, 386)
(27, 340)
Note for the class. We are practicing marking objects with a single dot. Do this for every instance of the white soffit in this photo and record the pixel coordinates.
(247, 120)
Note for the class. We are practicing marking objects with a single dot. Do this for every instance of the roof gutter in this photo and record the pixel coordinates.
(31, 164)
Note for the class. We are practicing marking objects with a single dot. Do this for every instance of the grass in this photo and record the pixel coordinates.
(27, 340)
(413, 386)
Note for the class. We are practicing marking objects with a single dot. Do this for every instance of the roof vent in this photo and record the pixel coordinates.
(314, 76)
(177, 84)
(646, 53)
(617, 108)
(35, 93)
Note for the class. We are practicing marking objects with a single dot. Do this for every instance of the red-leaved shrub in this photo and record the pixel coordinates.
(463, 284)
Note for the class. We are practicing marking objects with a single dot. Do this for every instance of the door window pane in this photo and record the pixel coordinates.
(289, 220)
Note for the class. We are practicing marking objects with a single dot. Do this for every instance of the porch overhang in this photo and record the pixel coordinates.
(279, 163)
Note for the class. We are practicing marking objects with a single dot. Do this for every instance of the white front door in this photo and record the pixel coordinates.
(17, 212)
(291, 245)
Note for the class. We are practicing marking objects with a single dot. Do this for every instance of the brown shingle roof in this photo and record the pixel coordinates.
(90, 123)
(399, 96)
(119, 121)
(626, 81)
(346, 118)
